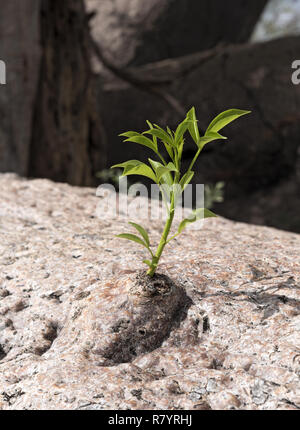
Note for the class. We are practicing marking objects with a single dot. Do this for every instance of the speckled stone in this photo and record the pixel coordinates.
(78, 331)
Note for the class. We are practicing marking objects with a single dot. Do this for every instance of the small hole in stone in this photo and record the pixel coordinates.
(132, 351)
(2, 353)
(206, 325)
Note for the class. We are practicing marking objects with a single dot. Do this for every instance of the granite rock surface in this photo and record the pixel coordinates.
(80, 328)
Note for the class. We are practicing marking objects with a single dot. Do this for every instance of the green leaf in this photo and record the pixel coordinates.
(142, 232)
(168, 135)
(225, 118)
(148, 262)
(186, 179)
(160, 169)
(172, 167)
(180, 131)
(157, 167)
(166, 138)
(155, 164)
(129, 134)
(161, 134)
(193, 127)
(209, 137)
(180, 149)
(170, 132)
(143, 140)
(151, 128)
(133, 238)
(163, 175)
(135, 167)
(169, 150)
(125, 164)
(163, 170)
(197, 214)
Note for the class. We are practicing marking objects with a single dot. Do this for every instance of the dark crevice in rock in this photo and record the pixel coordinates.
(20, 306)
(49, 335)
(256, 273)
(55, 295)
(206, 326)
(2, 353)
(216, 364)
(260, 298)
(11, 398)
(289, 284)
(289, 402)
(159, 307)
(4, 293)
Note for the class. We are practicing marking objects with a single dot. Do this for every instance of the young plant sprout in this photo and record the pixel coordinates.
(167, 174)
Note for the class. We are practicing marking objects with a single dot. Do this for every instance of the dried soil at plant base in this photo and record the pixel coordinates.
(69, 296)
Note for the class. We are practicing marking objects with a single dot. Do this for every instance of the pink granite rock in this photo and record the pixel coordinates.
(80, 329)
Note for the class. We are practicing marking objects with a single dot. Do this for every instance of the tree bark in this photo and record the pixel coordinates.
(68, 141)
(20, 50)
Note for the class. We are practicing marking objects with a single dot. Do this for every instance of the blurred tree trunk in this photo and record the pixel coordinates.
(20, 50)
(66, 128)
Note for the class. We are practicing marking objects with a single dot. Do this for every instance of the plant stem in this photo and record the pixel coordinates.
(164, 237)
(195, 159)
(161, 158)
(163, 240)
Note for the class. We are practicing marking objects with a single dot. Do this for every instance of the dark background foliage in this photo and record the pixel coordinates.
(80, 73)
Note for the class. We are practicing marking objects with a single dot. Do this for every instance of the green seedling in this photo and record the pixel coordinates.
(168, 172)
